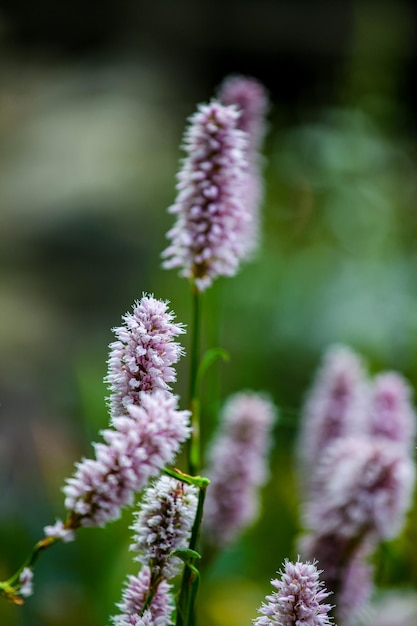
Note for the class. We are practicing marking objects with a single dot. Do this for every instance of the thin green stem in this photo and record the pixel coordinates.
(198, 481)
(10, 588)
(185, 605)
(194, 445)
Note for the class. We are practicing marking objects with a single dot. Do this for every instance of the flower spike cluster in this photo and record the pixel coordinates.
(163, 524)
(147, 429)
(360, 434)
(298, 599)
(208, 238)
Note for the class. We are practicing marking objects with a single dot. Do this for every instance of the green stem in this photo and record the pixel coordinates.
(194, 445)
(185, 605)
(10, 588)
(198, 481)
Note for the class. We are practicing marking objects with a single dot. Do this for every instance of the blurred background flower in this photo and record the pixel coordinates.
(93, 102)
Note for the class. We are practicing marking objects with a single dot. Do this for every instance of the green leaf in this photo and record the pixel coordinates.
(208, 359)
(185, 554)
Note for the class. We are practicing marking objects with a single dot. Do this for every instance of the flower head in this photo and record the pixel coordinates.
(141, 444)
(135, 593)
(142, 357)
(237, 466)
(164, 524)
(298, 599)
(208, 238)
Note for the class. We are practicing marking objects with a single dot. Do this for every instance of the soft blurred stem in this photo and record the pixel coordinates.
(194, 447)
(190, 578)
(10, 588)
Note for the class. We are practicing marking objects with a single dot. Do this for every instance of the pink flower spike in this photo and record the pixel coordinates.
(133, 600)
(208, 238)
(163, 524)
(251, 99)
(143, 354)
(237, 466)
(136, 450)
(335, 406)
(298, 599)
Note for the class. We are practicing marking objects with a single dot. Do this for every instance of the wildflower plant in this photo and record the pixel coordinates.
(354, 453)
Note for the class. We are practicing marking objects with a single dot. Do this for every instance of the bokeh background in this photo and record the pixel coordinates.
(93, 102)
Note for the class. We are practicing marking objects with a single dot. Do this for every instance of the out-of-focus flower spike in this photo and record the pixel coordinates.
(251, 99)
(364, 489)
(391, 414)
(335, 406)
(237, 466)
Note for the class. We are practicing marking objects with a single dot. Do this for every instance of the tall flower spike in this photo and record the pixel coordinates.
(335, 406)
(250, 98)
(391, 414)
(142, 357)
(298, 599)
(139, 447)
(163, 525)
(237, 466)
(208, 238)
(134, 596)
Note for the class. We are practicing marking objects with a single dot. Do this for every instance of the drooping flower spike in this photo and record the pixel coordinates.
(137, 449)
(208, 238)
